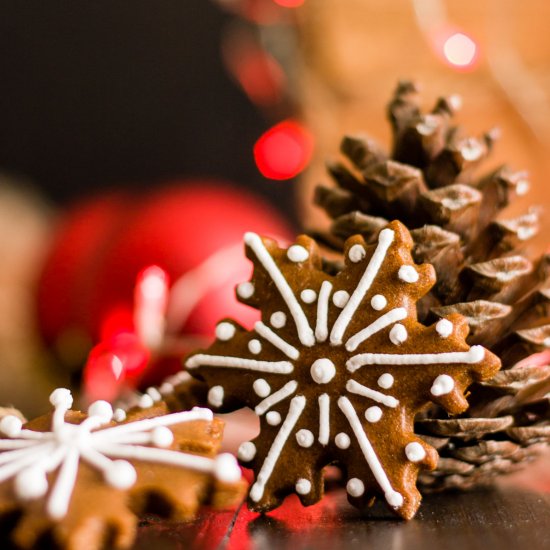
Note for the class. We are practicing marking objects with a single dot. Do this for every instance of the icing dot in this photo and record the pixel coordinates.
(261, 387)
(342, 440)
(394, 499)
(102, 410)
(408, 274)
(162, 437)
(356, 253)
(323, 370)
(245, 290)
(11, 426)
(226, 468)
(225, 331)
(308, 296)
(355, 487)
(61, 397)
(215, 396)
(119, 415)
(398, 334)
(522, 187)
(278, 319)
(247, 451)
(442, 385)
(255, 346)
(154, 393)
(444, 328)
(373, 414)
(31, 484)
(477, 353)
(145, 401)
(273, 418)
(304, 438)
(340, 298)
(378, 302)
(415, 452)
(303, 486)
(297, 253)
(385, 381)
(120, 474)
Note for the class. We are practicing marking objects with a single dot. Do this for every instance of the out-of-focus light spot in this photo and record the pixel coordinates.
(119, 320)
(289, 3)
(153, 284)
(284, 150)
(460, 50)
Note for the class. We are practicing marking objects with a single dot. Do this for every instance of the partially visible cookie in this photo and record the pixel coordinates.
(81, 480)
(337, 369)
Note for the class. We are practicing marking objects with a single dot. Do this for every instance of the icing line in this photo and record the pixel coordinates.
(274, 367)
(324, 419)
(276, 397)
(354, 387)
(273, 338)
(397, 314)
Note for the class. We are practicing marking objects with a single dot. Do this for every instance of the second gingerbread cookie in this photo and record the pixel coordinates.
(337, 369)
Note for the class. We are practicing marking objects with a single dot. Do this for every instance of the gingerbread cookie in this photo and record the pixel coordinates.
(80, 481)
(337, 369)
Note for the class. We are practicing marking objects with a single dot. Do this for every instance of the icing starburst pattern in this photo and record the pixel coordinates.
(29, 456)
(337, 368)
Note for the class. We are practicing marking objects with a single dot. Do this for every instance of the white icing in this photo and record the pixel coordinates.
(145, 401)
(225, 331)
(408, 274)
(398, 334)
(394, 499)
(215, 396)
(324, 419)
(356, 253)
(385, 381)
(474, 355)
(254, 346)
(297, 253)
(415, 452)
(373, 414)
(354, 387)
(340, 298)
(245, 290)
(297, 405)
(304, 438)
(30, 456)
(397, 314)
(323, 370)
(385, 239)
(11, 426)
(278, 319)
(366, 447)
(442, 385)
(261, 387)
(274, 339)
(444, 328)
(355, 487)
(226, 468)
(166, 388)
(273, 367)
(303, 486)
(321, 328)
(273, 418)
(305, 333)
(308, 296)
(154, 394)
(342, 440)
(119, 415)
(288, 389)
(522, 187)
(378, 302)
(247, 451)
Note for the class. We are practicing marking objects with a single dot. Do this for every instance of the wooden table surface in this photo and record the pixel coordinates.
(500, 518)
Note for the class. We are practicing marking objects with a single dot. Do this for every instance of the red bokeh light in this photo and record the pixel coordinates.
(289, 3)
(284, 150)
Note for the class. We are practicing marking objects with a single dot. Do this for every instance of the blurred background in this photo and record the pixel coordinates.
(139, 140)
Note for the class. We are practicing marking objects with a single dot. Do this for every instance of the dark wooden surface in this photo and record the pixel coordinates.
(504, 518)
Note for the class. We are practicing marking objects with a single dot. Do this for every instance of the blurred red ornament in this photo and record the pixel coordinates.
(284, 150)
(157, 270)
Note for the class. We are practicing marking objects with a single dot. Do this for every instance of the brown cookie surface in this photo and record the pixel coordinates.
(82, 480)
(337, 369)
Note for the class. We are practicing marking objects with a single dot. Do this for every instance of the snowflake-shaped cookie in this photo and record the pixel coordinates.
(337, 369)
(76, 477)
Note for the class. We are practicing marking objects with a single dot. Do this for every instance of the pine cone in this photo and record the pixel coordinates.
(429, 183)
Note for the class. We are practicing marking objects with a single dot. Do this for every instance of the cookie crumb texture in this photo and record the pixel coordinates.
(81, 481)
(340, 378)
